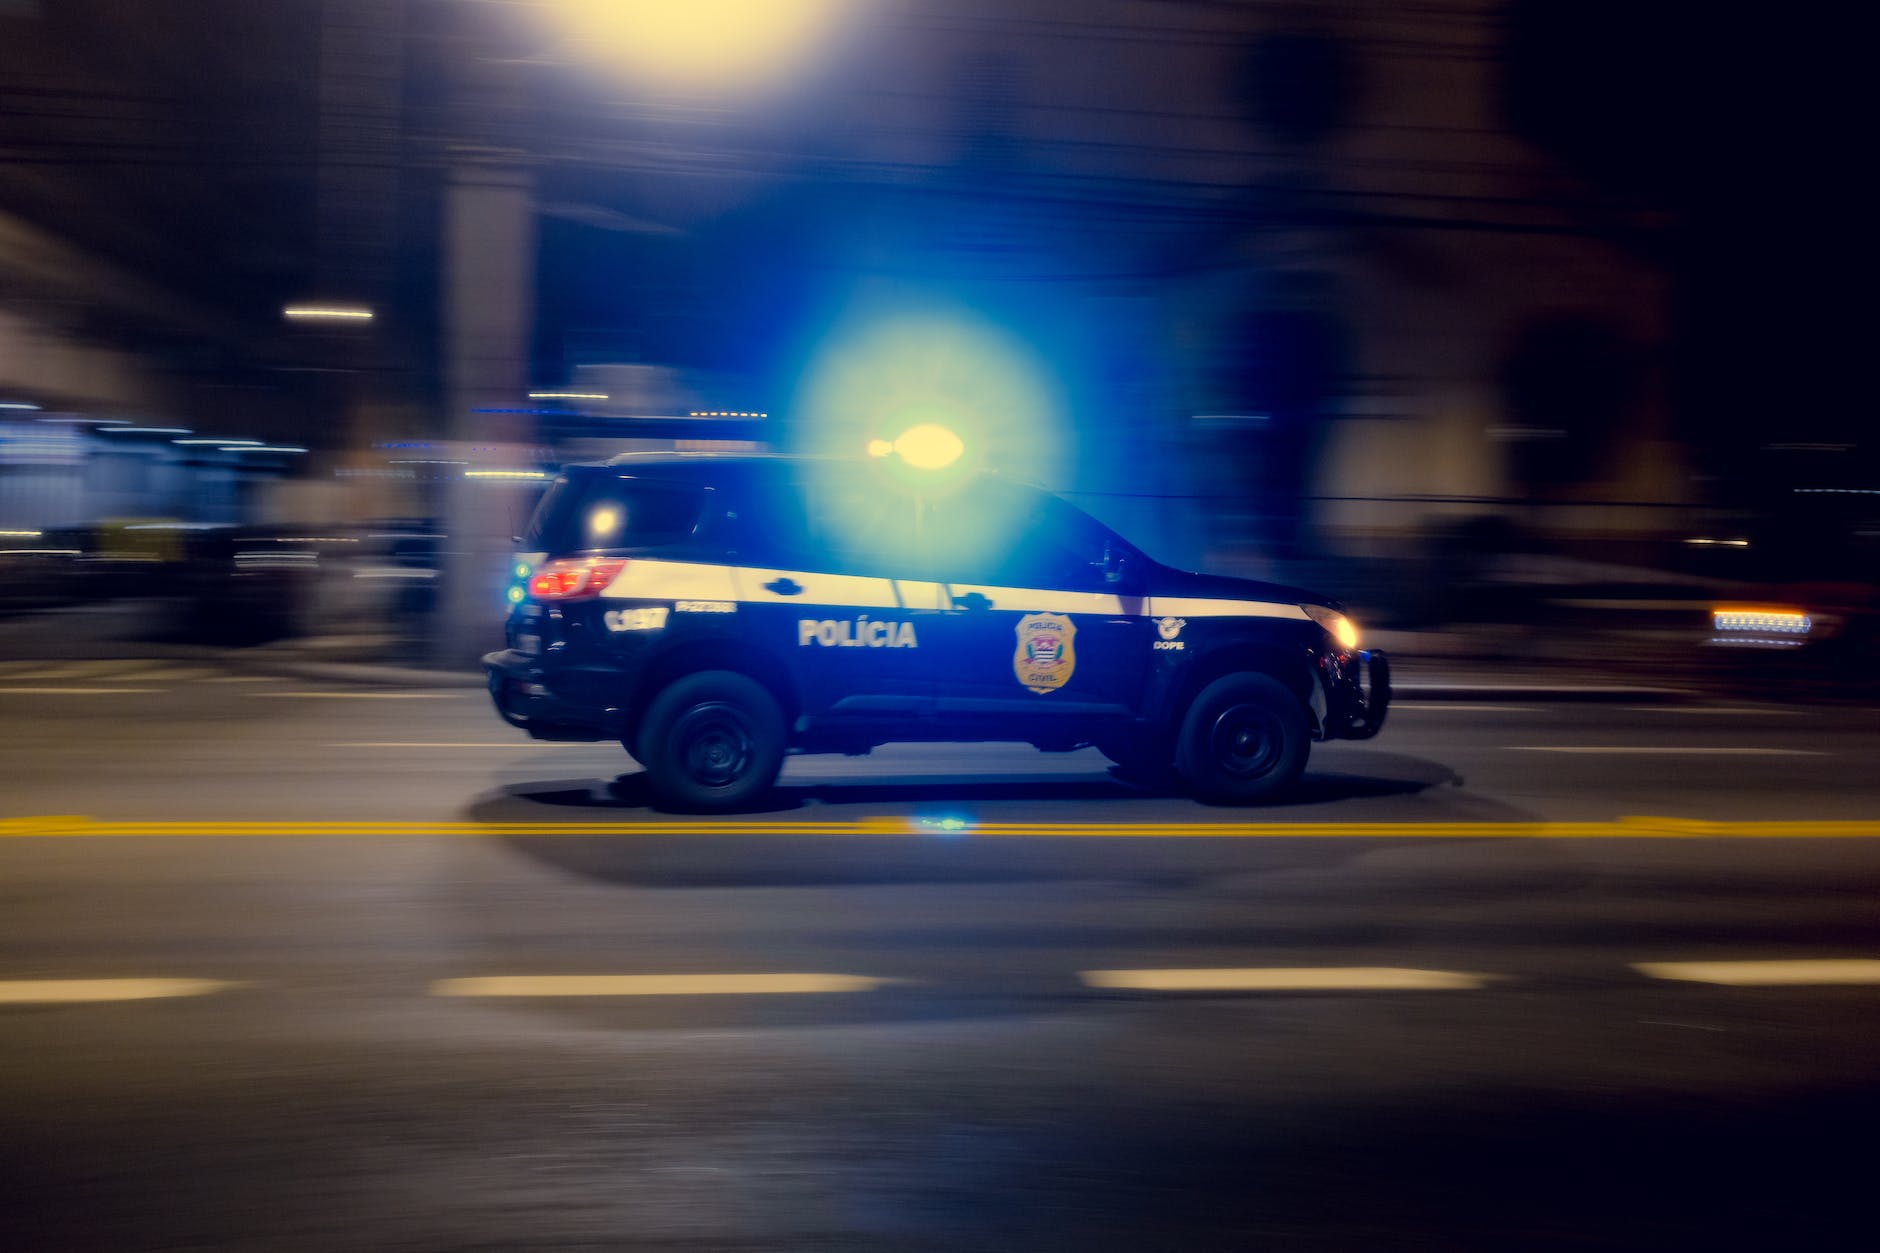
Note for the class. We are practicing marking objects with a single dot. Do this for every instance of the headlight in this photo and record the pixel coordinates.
(1342, 628)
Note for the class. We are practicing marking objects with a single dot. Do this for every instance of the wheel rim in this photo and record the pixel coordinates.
(715, 744)
(1246, 741)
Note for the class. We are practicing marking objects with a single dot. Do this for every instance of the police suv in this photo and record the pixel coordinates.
(714, 614)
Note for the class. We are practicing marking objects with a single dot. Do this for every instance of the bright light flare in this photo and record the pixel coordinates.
(879, 376)
(929, 446)
(1343, 629)
(698, 44)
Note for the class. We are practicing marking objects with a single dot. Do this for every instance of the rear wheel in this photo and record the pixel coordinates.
(1245, 740)
(711, 741)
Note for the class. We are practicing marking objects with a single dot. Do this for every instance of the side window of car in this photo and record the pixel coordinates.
(1003, 534)
(825, 525)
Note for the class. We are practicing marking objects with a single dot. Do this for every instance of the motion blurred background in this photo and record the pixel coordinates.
(1535, 328)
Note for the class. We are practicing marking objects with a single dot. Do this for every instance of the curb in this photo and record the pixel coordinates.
(295, 667)
(379, 676)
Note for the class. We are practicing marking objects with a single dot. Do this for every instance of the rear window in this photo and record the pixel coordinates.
(585, 512)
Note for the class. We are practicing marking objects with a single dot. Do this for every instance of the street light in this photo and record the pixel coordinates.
(727, 45)
(326, 313)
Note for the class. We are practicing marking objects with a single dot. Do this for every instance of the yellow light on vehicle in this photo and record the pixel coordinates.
(1343, 629)
(880, 447)
(1787, 621)
(929, 446)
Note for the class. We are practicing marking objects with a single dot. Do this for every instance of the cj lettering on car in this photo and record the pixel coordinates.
(861, 633)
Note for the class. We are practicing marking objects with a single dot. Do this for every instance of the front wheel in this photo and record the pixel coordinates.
(1245, 740)
(711, 742)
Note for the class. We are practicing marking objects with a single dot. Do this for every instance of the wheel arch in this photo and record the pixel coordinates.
(694, 656)
(1290, 665)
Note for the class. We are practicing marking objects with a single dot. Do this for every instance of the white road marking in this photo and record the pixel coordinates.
(1666, 748)
(76, 691)
(1713, 709)
(86, 991)
(1284, 979)
(1461, 708)
(363, 695)
(1766, 974)
(653, 985)
(85, 669)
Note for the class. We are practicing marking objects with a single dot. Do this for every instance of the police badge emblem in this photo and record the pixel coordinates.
(1046, 656)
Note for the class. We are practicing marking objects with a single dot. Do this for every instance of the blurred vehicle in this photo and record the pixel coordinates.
(42, 569)
(713, 614)
(1803, 599)
(394, 575)
(243, 584)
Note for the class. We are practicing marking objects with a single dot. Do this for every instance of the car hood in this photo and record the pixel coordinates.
(1167, 581)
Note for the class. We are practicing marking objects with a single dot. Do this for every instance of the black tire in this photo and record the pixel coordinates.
(1244, 740)
(711, 742)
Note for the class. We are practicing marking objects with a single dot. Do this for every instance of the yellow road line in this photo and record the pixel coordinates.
(357, 695)
(510, 745)
(653, 985)
(1623, 828)
(1284, 979)
(1766, 974)
(88, 991)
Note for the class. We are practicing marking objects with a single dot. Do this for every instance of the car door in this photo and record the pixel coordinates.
(813, 571)
(1041, 621)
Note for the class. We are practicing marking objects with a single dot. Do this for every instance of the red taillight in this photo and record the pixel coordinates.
(575, 579)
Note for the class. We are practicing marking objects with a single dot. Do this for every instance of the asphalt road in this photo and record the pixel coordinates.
(400, 979)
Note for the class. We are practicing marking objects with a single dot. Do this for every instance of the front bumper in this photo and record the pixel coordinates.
(523, 698)
(1357, 695)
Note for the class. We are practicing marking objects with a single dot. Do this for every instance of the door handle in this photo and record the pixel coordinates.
(785, 586)
(972, 600)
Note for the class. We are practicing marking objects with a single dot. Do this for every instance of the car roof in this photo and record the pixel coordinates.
(697, 462)
(707, 466)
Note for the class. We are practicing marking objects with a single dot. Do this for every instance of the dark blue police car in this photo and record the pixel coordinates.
(714, 614)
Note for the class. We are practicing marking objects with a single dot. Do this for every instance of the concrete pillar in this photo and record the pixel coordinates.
(489, 304)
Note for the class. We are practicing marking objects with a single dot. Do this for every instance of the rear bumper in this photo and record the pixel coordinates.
(523, 698)
(1357, 696)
